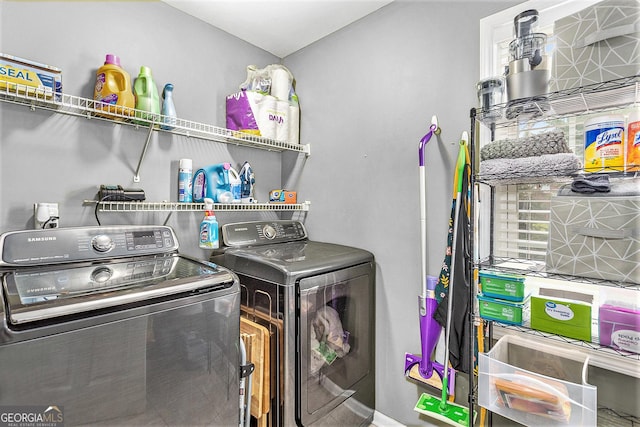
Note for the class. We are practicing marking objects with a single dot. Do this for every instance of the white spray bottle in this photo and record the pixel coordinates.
(235, 185)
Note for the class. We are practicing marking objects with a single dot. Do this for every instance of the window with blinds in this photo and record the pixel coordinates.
(521, 222)
(521, 212)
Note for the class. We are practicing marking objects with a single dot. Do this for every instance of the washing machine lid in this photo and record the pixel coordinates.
(35, 294)
(284, 263)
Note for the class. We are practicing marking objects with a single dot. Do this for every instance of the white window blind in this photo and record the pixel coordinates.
(521, 222)
(521, 212)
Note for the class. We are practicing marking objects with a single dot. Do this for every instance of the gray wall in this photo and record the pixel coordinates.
(367, 96)
(47, 157)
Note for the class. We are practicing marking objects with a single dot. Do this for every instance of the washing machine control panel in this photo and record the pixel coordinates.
(262, 232)
(63, 245)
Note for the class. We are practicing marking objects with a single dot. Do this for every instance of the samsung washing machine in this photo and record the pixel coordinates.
(317, 300)
(111, 326)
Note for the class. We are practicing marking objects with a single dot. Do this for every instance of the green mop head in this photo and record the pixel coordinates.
(443, 410)
(447, 412)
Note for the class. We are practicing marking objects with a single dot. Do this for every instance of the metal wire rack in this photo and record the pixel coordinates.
(90, 109)
(608, 356)
(555, 110)
(575, 101)
(537, 270)
(122, 206)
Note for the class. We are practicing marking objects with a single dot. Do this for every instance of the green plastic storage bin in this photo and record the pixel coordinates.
(504, 286)
(503, 311)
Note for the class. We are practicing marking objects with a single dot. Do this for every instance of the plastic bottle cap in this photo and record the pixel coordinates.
(187, 164)
(168, 89)
(112, 59)
(145, 71)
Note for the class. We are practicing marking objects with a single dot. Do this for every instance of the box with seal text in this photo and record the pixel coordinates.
(18, 75)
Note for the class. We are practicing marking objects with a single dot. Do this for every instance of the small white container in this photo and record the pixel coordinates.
(235, 185)
(490, 94)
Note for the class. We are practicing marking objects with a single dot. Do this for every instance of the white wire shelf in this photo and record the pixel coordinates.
(196, 207)
(537, 269)
(604, 357)
(588, 99)
(90, 109)
(547, 176)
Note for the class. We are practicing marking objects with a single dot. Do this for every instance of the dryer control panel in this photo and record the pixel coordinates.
(255, 233)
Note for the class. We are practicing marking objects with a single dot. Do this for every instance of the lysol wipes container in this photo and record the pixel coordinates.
(185, 173)
(604, 143)
(633, 142)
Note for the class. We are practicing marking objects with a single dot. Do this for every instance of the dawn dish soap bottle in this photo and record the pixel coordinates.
(209, 227)
(168, 108)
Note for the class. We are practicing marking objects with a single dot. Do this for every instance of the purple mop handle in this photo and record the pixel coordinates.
(423, 142)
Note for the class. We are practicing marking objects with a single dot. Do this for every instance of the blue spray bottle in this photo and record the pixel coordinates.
(168, 108)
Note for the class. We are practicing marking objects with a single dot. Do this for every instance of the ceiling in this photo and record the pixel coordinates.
(280, 27)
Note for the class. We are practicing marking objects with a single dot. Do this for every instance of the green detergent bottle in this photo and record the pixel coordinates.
(147, 98)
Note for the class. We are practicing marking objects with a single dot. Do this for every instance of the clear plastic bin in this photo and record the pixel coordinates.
(536, 384)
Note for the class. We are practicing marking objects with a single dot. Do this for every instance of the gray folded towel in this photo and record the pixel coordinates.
(553, 142)
(588, 184)
(529, 169)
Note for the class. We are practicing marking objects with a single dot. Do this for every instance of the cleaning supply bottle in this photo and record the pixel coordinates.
(185, 173)
(168, 108)
(209, 227)
(146, 94)
(113, 86)
(235, 185)
(212, 182)
(633, 142)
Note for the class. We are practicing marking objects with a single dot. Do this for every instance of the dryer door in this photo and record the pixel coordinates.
(335, 329)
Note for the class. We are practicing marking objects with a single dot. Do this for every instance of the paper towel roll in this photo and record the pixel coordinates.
(282, 121)
(294, 123)
(280, 83)
(266, 107)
